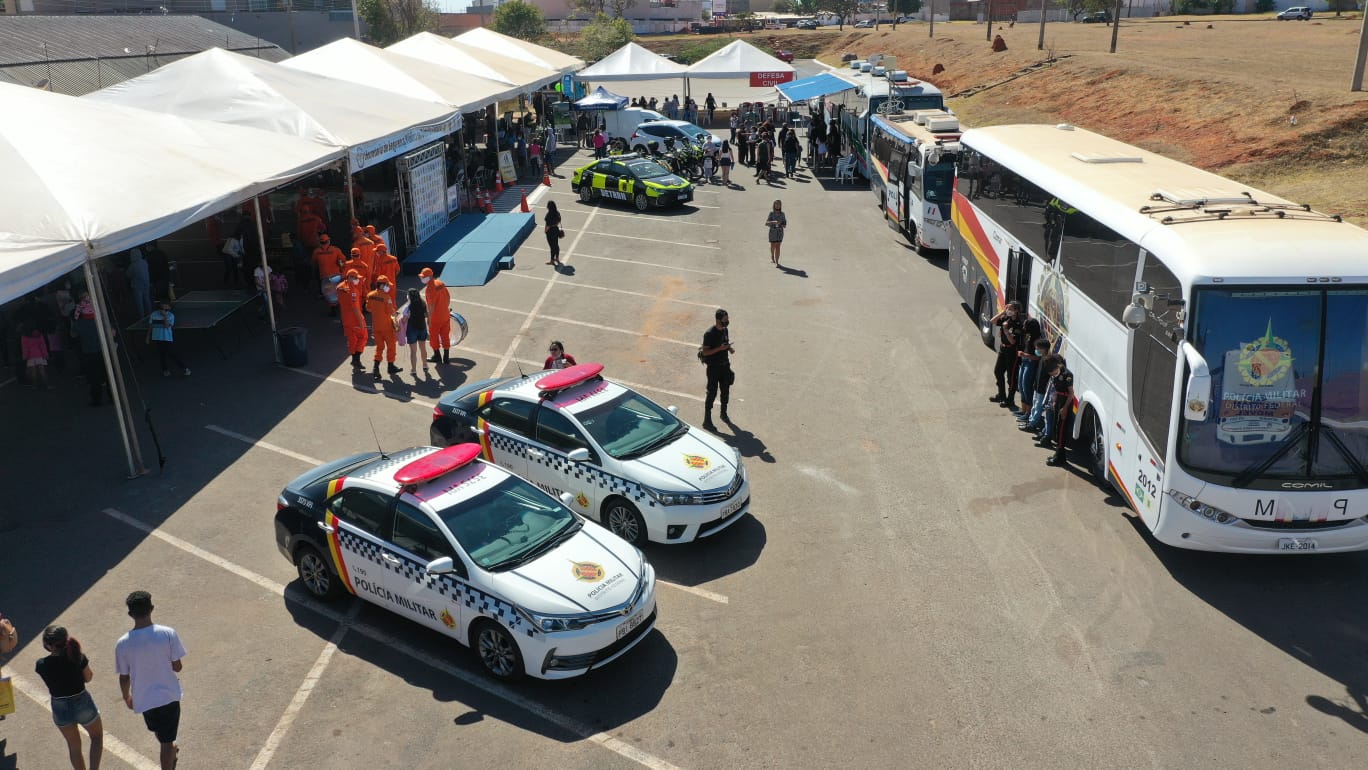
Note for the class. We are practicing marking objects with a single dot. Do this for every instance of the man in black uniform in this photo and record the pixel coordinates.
(1062, 413)
(1009, 339)
(716, 352)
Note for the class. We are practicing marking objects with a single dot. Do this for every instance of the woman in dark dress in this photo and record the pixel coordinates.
(65, 671)
(552, 227)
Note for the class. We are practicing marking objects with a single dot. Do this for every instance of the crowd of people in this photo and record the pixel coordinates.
(1026, 366)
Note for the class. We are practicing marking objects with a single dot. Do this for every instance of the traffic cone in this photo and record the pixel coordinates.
(546, 178)
(489, 203)
(525, 209)
(498, 183)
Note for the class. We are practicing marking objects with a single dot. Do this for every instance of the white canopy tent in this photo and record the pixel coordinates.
(227, 87)
(636, 71)
(92, 179)
(737, 72)
(550, 58)
(458, 56)
(347, 59)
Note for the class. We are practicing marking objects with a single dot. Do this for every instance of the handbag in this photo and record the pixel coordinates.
(6, 697)
(560, 233)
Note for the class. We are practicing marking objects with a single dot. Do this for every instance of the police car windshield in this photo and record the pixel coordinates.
(630, 425)
(504, 526)
(647, 169)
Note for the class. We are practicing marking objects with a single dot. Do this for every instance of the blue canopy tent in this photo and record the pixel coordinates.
(600, 99)
(810, 88)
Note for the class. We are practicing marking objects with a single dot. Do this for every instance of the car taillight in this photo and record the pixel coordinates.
(281, 504)
(437, 413)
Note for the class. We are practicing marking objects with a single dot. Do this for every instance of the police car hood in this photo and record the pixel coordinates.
(592, 571)
(693, 462)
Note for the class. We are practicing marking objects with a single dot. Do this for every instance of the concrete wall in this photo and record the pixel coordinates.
(312, 29)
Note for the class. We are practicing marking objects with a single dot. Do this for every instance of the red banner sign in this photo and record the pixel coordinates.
(769, 79)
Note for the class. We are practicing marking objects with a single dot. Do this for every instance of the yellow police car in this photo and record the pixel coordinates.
(631, 178)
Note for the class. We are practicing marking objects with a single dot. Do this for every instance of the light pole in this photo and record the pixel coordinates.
(1040, 44)
(931, 14)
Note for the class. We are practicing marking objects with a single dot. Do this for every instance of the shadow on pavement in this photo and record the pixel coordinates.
(698, 563)
(793, 271)
(747, 443)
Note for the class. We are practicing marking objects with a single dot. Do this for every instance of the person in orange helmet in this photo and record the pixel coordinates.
(438, 300)
(349, 293)
(357, 263)
(385, 264)
(384, 324)
(328, 259)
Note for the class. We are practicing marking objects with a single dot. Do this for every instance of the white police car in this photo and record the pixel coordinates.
(624, 460)
(468, 549)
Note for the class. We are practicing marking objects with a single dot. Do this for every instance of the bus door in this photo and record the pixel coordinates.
(1017, 285)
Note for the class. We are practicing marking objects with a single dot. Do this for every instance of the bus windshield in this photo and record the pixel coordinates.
(1289, 372)
(939, 182)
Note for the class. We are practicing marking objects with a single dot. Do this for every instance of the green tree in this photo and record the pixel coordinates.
(783, 6)
(516, 18)
(841, 9)
(807, 7)
(903, 7)
(390, 21)
(620, 7)
(592, 7)
(603, 36)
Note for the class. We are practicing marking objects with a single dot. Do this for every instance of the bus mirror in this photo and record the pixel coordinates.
(1134, 315)
(1197, 396)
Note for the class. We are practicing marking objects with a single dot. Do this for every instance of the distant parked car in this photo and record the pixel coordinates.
(784, 55)
(906, 19)
(806, 24)
(1097, 17)
(866, 24)
(1299, 12)
(847, 57)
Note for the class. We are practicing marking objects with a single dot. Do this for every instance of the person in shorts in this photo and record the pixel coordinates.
(148, 658)
(65, 671)
(416, 330)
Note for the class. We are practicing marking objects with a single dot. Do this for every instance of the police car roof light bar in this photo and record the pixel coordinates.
(437, 464)
(570, 375)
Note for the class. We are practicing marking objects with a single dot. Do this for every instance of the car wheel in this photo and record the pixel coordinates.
(586, 194)
(642, 202)
(624, 520)
(316, 575)
(983, 312)
(498, 652)
(1097, 447)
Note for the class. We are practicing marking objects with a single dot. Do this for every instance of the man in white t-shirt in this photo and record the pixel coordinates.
(148, 659)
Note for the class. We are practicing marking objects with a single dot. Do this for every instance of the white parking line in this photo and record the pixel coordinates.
(706, 594)
(352, 385)
(672, 220)
(399, 645)
(301, 695)
(559, 319)
(695, 205)
(652, 240)
(10, 381)
(111, 744)
(535, 247)
(642, 294)
(263, 444)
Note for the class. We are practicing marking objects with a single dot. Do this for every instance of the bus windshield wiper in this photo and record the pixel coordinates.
(1354, 464)
(1248, 475)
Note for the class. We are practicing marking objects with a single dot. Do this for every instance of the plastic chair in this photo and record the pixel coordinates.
(845, 168)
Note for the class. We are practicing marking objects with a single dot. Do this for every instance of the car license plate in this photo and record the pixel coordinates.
(626, 628)
(1296, 544)
(732, 507)
(685, 196)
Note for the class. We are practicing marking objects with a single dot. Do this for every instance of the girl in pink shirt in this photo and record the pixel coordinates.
(34, 349)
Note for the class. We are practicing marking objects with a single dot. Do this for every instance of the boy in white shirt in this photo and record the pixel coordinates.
(147, 659)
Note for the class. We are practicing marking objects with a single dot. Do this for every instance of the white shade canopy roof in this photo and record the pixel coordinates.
(347, 59)
(227, 87)
(737, 60)
(489, 40)
(82, 172)
(631, 62)
(474, 61)
(27, 265)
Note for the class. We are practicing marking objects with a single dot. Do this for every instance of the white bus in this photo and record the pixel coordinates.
(888, 91)
(1218, 334)
(912, 158)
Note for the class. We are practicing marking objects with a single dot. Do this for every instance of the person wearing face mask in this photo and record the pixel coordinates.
(328, 259)
(349, 294)
(715, 353)
(1009, 323)
(361, 266)
(384, 324)
(438, 299)
(385, 264)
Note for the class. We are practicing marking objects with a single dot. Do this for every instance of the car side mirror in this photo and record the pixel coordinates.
(674, 410)
(1197, 395)
(442, 566)
(568, 500)
(578, 455)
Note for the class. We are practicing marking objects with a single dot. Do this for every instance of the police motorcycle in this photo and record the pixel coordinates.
(687, 160)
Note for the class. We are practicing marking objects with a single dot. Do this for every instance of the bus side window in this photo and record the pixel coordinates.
(897, 164)
(1154, 358)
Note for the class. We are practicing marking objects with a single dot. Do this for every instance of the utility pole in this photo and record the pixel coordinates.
(1357, 85)
(1116, 24)
(356, 22)
(289, 8)
(1040, 44)
(931, 14)
(989, 36)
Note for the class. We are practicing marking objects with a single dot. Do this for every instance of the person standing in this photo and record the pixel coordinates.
(711, 104)
(349, 293)
(1008, 323)
(558, 358)
(731, 126)
(552, 227)
(33, 350)
(438, 299)
(776, 222)
(1061, 411)
(328, 259)
(384, 324)
(724, 161)
(716, 354)
(159, 271)
(1028, 361)
(359, 264)
(140, 279)
(599, 143)
(66, 671)
(549, 152)
(1031, 420)
(92, 357)
(416, 331)
(147, 659)
(161, 332)
(792, 148)
(385, 264)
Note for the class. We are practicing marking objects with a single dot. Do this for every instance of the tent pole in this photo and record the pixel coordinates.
(351, 197)
(266, 277)
(130, 442)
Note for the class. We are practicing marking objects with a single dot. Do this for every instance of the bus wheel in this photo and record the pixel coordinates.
(1096, 443)
(984, 313)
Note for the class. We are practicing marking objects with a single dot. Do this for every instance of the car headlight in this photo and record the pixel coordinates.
(674, 498)
(1199, 508)
(552, 623)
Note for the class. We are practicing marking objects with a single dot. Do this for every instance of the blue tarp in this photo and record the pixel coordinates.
(813, 87)
(600, 99)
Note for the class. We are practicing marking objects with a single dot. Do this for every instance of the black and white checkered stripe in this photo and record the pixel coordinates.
(584, 473)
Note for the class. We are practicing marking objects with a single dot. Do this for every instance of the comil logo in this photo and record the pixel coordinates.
(586, 571)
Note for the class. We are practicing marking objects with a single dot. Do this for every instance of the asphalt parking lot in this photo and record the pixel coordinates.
(913, 588)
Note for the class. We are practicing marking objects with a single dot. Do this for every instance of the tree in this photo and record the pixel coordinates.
(516, 18)
(603, 36)
(841, 9)
(903, 7)
(593, 7)
(783, 6)
(620, 7)
(390, 21)
(806, 7)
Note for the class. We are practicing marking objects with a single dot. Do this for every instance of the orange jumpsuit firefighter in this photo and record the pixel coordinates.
(349, 294)
(358, 263)
(367, 249)
(328, 259)
(438, 300)
(385, 264)
(384, 324)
